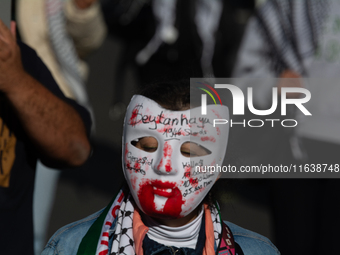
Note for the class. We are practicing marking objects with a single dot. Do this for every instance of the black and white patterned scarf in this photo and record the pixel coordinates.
(123, 242)
(65, 51)
(120, 213)
(292, 29)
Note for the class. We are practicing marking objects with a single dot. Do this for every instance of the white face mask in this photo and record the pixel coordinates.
(160, 151)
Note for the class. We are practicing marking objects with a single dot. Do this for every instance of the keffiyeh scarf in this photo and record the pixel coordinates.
(120, 214)
(292, 29)
(65, 52)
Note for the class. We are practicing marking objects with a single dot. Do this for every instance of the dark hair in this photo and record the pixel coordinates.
(172, 95)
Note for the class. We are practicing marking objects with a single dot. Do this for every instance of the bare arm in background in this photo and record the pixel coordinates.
(52, 125)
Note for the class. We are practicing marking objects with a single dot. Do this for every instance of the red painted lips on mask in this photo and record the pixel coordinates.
(173, 205)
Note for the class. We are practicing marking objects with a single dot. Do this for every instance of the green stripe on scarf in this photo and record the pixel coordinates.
(88, 245)
(221, 221)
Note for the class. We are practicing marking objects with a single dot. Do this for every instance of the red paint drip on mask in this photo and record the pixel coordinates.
(128, 166)
(158, 118)
(218, 130)
(134, 117)
(194, 182)
(168, 167)
(137, 166)
(133, 181)
(217, 114)
(167, 151)
(208, 138)
(199, 191)
(160, 165)
(128, 163)
(164, 129)
(187, 173)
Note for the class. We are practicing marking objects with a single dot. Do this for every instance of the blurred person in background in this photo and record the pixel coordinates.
(63, 33)
(295, 39)
(37, 121)
(169, 38)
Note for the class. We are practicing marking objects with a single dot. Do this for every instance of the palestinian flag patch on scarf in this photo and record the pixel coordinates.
(96, 240)
(120, 211)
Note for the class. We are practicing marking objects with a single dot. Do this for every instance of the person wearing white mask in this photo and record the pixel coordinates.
(164, 208)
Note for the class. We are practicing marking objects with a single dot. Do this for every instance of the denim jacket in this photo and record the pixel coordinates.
(67, 239)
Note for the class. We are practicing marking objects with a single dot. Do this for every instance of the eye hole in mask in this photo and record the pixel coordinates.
(190, 149)
(147, 143)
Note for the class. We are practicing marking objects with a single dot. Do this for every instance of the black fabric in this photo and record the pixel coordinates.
(238, 249)
(16, 219)
(312, 206)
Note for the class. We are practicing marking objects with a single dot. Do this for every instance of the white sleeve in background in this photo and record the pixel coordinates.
(86, 27)
(253, 63)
